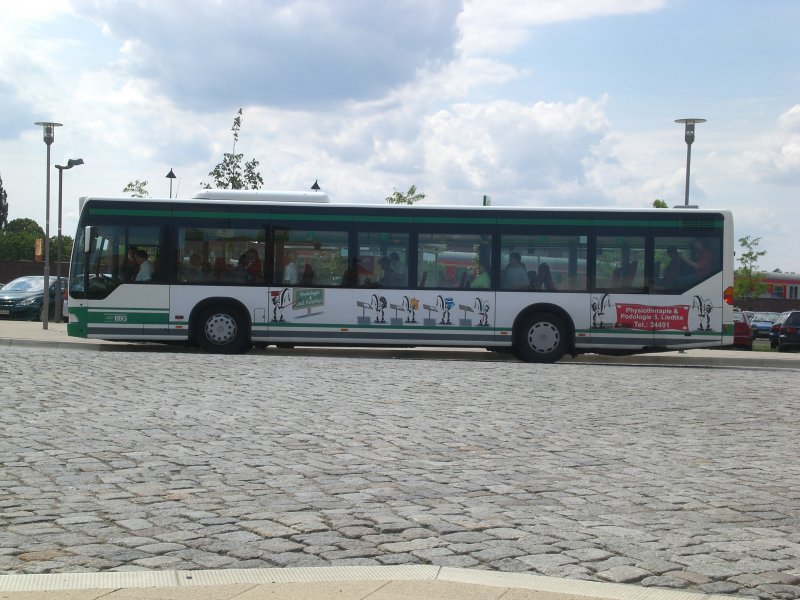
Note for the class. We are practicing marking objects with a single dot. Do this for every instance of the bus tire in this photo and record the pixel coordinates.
(542, 338)
(221, 330)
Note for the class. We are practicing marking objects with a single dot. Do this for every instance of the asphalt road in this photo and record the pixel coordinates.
(675, 477)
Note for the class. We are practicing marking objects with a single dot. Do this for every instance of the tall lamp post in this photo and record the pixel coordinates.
(170, 176)
(689, 137)
(72, 162)
(49, 135)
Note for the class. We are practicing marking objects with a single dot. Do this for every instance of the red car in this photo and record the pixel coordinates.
(742, 332)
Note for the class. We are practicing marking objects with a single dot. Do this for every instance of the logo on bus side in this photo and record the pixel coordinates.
(649, 317)
(116, 318)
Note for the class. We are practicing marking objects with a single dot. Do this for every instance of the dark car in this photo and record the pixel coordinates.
(23, 298)
(761, 322)
(775, 330)
(742, 333)
(789, 336)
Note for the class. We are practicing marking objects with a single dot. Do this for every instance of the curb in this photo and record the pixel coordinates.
(747, 360)
(542, 586)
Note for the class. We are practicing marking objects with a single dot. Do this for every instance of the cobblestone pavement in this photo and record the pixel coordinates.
(676, 477)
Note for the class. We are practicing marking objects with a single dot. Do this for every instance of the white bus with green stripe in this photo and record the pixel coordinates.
(229, 270)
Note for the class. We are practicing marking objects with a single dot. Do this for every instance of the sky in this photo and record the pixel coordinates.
(532, 102)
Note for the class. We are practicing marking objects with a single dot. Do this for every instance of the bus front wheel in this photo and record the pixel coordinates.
(221, 330)
(542, 337)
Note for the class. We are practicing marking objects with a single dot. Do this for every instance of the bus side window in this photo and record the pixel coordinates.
(305, 257)
(685, 261)
(454, 260)
(617, 262)
(543, 262)
(383, 259)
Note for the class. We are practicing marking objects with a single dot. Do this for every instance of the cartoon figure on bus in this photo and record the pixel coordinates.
(378, 304)
(483, 311)
(410, 305)
(704, 308)
(599, 307)
(280, 299)
(445, 304)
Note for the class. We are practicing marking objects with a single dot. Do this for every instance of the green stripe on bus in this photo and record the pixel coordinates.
(130, 317)
(278, 217)
(193, 214)
(671, 224)
(125, 309)
(376, 326)
(663, 333)
(128, 212)
(419, 219)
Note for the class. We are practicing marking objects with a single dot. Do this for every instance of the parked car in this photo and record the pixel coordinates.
(23, 298)
(761, 322)
(775, 330)
(742, 333)
(789, 336)
(65, 305)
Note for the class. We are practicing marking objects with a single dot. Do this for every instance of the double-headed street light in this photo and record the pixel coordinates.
(689, 136)
(49, 135)
(72, 162)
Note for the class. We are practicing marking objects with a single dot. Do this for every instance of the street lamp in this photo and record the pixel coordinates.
(689, 136)
(72, 162)
(49, 129)
(170, 176)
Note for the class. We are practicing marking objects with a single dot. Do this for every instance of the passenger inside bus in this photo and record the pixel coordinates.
(307, 278)
(677, 268)
(145, 272)
(398, 272)
(701, 260)
(515, 275)
(194, 272)
(249, 267)
(129, 267)
(546, 283)
(483, 280)
(290, 274)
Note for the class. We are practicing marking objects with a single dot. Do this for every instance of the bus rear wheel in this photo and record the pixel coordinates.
(542, 338)
(221, 330)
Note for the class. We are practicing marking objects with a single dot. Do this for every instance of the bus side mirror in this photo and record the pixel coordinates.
(87, 238)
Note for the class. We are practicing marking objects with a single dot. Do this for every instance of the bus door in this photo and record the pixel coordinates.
(122, 297)
(623, 314)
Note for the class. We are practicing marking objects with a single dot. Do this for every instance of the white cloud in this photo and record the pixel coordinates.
(776, 158)
(489, 27)
(279, 53)
(513, 150)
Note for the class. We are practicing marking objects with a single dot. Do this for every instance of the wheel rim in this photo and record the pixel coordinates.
(543, 337)
(220, 329)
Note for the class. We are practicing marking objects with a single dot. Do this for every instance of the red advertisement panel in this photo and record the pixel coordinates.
(653, 318)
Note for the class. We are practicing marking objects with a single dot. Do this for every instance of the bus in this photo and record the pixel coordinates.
(229, 270)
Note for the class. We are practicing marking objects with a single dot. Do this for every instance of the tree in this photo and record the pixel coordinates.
(410, 197)
(137, 189)
(748, 283)
(658, 203)
(3, 205)
(18, 239)
(229, 174)
(24, 226)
